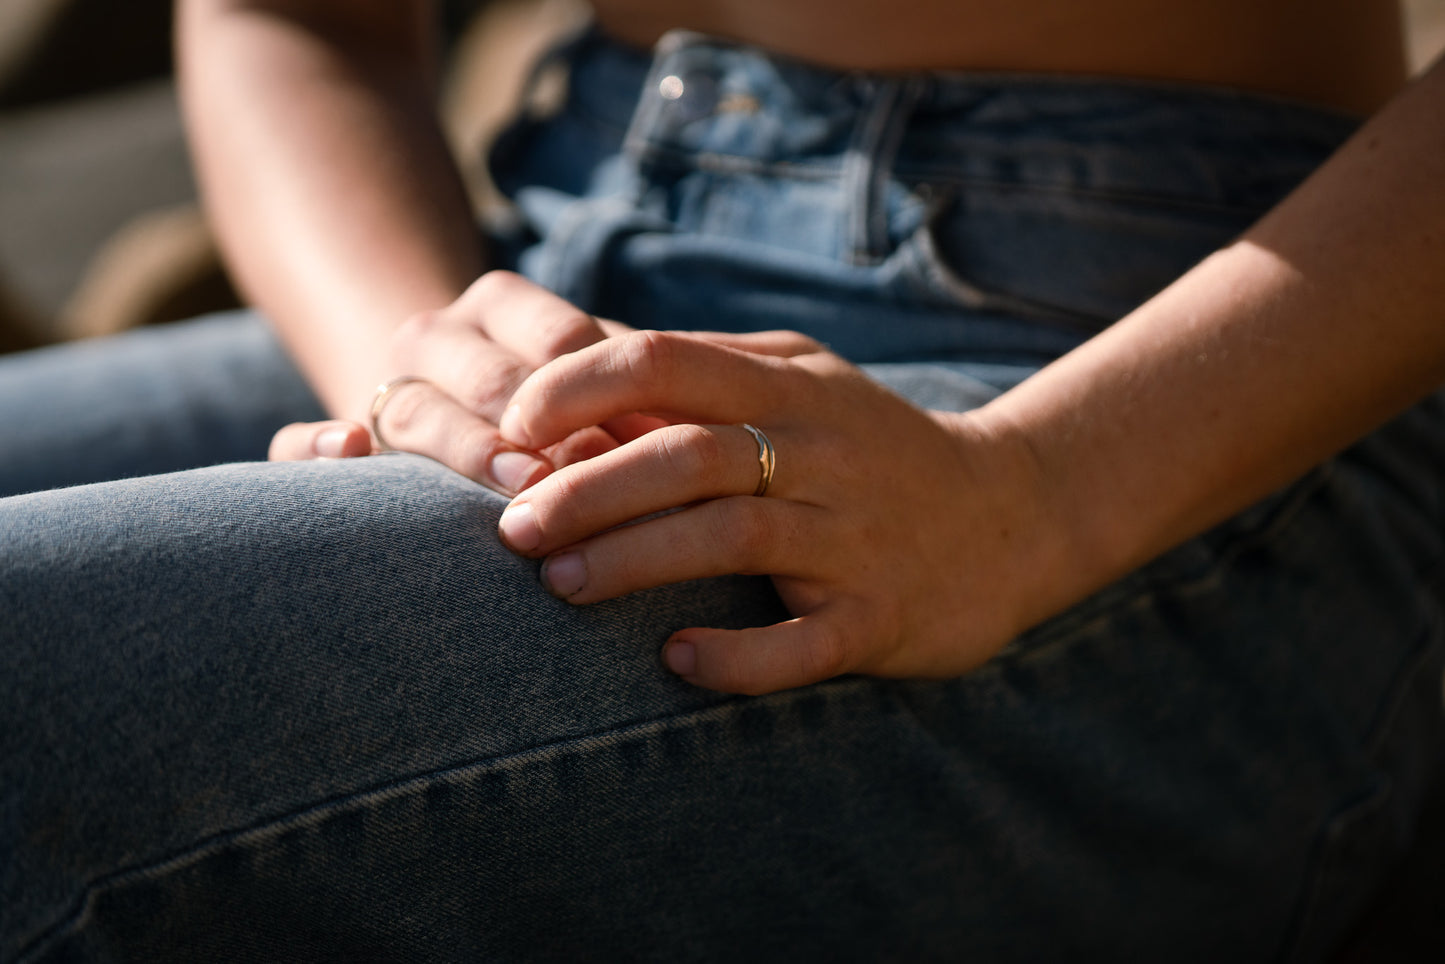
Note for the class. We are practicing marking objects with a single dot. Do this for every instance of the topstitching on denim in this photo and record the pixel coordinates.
(922, 180)
(1378, 818)
(1130, 774)
(806, 705)
(1193, 568)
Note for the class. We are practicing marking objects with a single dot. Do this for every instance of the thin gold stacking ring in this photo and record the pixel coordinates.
(767, 459)
(384, 391)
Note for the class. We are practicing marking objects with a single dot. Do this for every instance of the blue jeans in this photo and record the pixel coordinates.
(315, 711)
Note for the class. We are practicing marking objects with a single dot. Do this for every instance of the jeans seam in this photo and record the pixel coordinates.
(920, 253)
(1102, 606)
(317, 814)
(940, 177)
(866, 163)
(1370, 799)
(669, 159)
(1334, 828)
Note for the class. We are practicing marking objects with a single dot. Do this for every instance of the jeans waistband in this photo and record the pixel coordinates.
(699, 101)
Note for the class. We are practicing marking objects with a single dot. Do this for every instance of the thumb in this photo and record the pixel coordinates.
(805, 650)
(335, 439)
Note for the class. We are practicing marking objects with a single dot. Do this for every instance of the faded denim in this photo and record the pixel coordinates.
(315, 712)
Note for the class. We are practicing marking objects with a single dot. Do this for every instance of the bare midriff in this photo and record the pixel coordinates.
(1345, 54)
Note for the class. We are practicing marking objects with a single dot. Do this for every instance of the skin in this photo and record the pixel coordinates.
(343, 219)
(1345, 53)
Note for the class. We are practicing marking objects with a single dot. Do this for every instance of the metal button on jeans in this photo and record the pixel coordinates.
(688, 97)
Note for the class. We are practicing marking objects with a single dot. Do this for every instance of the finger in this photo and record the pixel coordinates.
(525, 326)
(804, 650)
(478, 373)
(676, 376)
(589, 443)
(614, 328)
(673, 466)
(335, 439)
(625, 428)
(715, 538)
(419, 417)
(531, 322)
(783, 344)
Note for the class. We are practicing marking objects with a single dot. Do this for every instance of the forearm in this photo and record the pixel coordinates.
(1322, 322)
(328, 180)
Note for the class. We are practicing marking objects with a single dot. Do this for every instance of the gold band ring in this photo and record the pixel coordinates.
(384, 391)
(767, 458)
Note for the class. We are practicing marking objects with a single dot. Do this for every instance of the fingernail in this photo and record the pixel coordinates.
(511, 426)
(564, 575)
(680, 657)
(514, 471)
(331, 444)
(518, 527)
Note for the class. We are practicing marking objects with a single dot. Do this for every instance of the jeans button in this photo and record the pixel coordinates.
(688, 97)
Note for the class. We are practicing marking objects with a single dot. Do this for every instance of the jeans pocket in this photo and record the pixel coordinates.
(1060, 257)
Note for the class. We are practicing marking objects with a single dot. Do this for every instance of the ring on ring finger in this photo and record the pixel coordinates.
(384, 393)
(767, 459)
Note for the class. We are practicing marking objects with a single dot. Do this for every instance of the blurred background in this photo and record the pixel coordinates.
(99, 229)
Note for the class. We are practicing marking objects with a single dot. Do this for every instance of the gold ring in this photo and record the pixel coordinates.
(378, 402)
(767, 458)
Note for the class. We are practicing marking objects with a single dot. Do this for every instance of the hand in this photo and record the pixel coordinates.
(904, 542)
(472, 354)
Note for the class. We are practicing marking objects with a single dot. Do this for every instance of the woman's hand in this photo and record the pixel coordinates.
(468, 358)
(905, 543)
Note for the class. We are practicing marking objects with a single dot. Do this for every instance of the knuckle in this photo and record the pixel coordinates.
(823, 653)
(471, 454)
(649, 354)
(494, 286)
(570, 331)
(488, 382)
(691, 451)
(403, 412)
(415, 328)
(747, 527)
(557, 505)
(805, 345)
(580, 446)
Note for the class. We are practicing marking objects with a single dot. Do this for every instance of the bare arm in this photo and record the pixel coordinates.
(340, 210)
(1324, 320)
(336, 200)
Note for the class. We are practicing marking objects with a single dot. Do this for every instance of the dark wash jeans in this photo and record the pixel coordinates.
(314, 711)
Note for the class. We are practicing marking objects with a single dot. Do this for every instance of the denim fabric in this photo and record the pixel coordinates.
(314, 711)
(153, 401)
(880, 214)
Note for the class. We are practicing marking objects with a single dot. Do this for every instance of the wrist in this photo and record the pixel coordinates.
(1042, 558)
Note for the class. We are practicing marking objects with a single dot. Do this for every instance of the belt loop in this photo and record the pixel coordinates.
(650, 101)
(869, 163)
